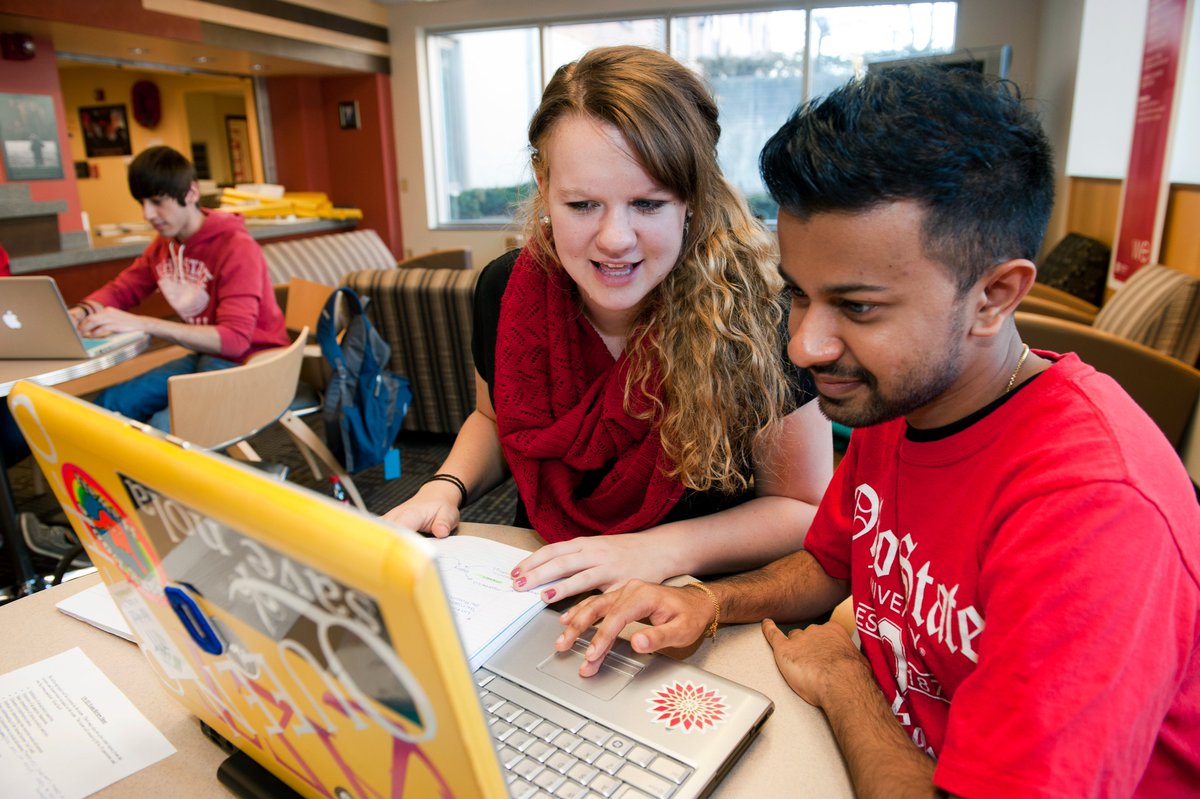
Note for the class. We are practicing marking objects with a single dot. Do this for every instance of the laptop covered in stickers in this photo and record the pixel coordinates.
(318, 645)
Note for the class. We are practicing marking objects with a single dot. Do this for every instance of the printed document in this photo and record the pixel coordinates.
(66, 731)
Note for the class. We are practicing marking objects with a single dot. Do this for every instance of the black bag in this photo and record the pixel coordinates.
(365, 404)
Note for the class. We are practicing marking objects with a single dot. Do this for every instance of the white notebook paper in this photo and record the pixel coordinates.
(95, 606)
(476, 574)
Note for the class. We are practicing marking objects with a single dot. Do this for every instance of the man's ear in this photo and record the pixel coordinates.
(999, 292)
(193, 194)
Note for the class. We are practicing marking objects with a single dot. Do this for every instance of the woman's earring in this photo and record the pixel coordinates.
(545, 220)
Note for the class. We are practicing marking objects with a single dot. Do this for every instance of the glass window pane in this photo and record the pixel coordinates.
(481, 105)
(843, 40)
(566, 43)
(754, 64)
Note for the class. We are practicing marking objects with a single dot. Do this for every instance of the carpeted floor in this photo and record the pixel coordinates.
(420, 457)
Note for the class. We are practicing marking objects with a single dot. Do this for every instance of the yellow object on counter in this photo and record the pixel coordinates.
(308, 204)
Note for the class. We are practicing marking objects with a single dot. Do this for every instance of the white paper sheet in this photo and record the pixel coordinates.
(66, 731)
(95, 606)
(476, 574)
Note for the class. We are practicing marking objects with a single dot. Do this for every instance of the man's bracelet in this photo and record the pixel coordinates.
(711, 632)
(449, 478)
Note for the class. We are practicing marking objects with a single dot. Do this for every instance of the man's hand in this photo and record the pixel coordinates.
(678, 617)
(814, 659)
(108, 321)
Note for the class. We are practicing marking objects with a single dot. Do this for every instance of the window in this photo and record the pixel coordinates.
(485, 85)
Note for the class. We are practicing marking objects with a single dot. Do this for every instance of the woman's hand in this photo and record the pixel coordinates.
(433, 509)
(602, 562)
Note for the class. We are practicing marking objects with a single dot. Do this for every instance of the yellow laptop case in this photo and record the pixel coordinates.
(316, 639)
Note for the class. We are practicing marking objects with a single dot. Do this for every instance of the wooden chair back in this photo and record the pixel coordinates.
(217, 409)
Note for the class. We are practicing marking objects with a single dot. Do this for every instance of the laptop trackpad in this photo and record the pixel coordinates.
(615, 673)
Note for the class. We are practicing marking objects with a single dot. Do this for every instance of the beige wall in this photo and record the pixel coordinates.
(980, 23)
(206, 112)
(106, 197)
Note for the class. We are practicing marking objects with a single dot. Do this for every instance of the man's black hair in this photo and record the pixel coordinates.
(962, 145)
(160, 172)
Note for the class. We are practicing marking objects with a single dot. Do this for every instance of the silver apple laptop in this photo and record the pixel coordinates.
(318, 644)
(35, 324)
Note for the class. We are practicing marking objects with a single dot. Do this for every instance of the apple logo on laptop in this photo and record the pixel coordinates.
(11, 320)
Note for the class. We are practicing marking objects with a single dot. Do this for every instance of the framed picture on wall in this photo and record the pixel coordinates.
(238, 134)
(105, 130)
(348, 115)
(29, 135)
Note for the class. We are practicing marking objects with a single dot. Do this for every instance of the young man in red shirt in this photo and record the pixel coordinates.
(213, 275)
(209, 269)
(1021, 542)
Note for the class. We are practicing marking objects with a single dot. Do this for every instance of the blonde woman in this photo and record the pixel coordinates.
(631, 366)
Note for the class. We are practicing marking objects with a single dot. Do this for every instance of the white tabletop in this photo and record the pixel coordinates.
(53, 372)
(794, 755)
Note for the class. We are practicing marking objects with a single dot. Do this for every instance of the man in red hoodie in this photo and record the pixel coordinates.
(211, 272)
(209, 269)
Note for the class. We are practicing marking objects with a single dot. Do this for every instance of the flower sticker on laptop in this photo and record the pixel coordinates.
(687, 707)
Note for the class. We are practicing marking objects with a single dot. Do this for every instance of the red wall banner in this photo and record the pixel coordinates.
(1143, 203)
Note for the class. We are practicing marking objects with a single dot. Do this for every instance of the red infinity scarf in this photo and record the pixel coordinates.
(560, 411)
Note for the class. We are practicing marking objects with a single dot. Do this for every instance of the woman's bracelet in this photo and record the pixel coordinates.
(449, 478)
(711, 632)
(83, 306)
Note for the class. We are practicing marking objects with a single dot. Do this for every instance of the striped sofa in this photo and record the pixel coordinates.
(424, 314)
(326, 259)
(1158, 307)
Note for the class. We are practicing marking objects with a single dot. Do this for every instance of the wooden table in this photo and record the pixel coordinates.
(795, 754)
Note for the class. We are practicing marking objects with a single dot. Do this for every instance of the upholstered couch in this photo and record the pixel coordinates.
(326, 259)
(421, 306)
(424, 314)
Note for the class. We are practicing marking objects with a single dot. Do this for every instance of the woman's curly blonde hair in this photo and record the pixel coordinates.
(712, 326)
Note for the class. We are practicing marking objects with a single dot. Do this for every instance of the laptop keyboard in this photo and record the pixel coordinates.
(549, 752)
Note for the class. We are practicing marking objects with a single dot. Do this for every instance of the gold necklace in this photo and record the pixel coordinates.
(1012, 379)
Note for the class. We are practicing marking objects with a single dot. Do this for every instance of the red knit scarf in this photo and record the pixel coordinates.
(560, 411)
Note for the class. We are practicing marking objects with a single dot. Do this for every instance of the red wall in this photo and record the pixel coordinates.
(39, 75)
(355, 167)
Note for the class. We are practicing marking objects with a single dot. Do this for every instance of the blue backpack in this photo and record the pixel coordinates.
(365, 404)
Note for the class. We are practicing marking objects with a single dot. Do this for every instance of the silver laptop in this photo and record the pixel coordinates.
(319, 646)
(35, 324)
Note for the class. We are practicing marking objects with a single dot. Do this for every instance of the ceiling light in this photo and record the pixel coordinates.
(202, 59)
(139, 50)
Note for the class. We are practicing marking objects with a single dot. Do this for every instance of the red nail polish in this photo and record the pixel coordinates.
(549, 595)
(520, 582)
(515, 573)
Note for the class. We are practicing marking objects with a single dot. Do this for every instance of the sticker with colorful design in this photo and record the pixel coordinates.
(687, 707)
(113, 530)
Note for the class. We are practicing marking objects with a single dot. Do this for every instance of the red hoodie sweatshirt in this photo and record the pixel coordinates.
(217, 277)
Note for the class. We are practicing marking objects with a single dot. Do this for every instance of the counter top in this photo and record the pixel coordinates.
(112, 248)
